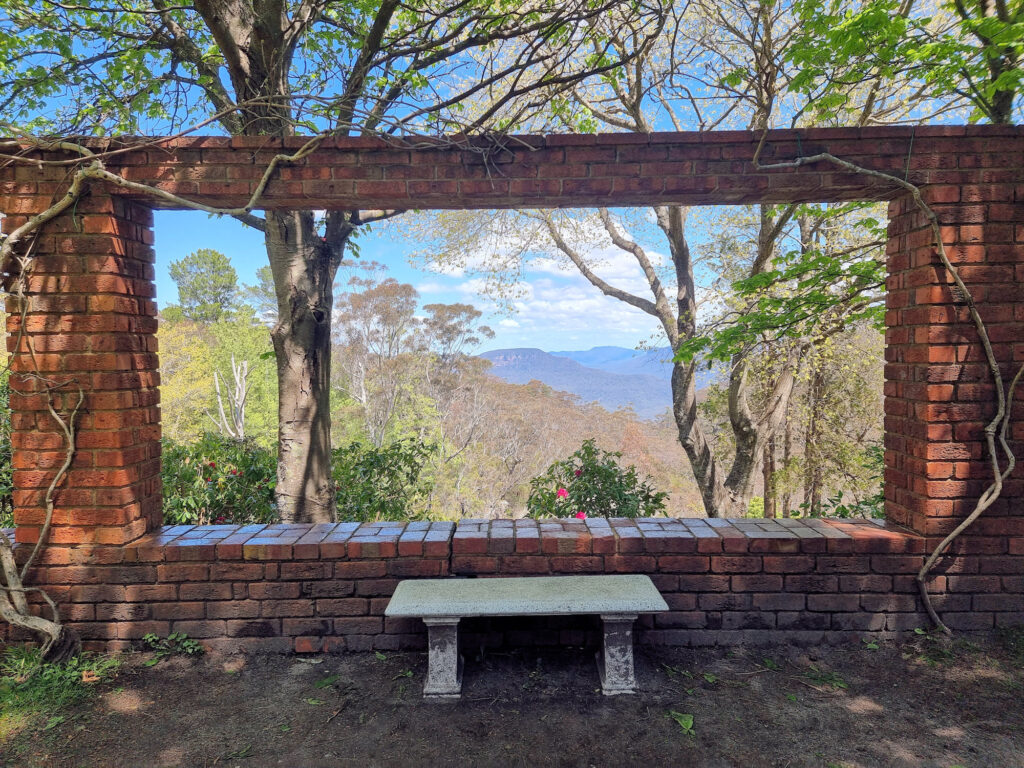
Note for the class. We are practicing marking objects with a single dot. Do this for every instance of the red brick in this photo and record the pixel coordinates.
(727, 564)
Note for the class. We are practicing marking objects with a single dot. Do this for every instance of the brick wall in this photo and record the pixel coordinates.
(325, 587)
(939, 390)
(92, 321)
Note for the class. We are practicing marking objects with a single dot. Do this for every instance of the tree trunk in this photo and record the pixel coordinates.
(720, 500)
(304, 269)
(768, 471)
(812, 476)
(787, 455)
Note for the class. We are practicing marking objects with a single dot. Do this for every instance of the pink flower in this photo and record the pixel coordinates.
(581, 515)
(562, 493)
(579, 472)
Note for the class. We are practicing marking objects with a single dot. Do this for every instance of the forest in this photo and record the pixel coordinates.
(423, 431)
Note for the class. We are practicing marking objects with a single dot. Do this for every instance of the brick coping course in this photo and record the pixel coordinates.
(284, 541)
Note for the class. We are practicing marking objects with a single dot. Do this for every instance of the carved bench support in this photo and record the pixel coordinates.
(615, 660)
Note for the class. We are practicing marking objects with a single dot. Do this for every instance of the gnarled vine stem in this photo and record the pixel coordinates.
(996, 429)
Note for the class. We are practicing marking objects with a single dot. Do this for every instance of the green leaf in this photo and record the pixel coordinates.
(327, 682)
(685, 721)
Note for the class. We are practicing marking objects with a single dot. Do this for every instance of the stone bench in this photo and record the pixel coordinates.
(441, 603)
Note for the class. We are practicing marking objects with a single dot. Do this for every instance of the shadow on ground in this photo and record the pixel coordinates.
(913, 705)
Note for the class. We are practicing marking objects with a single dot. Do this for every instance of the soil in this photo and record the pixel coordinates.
(901, 705)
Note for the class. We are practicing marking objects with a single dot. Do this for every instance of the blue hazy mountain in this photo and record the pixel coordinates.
(647, 362)
(649, 395)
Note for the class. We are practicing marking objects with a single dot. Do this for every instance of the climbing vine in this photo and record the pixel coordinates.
(996, 429)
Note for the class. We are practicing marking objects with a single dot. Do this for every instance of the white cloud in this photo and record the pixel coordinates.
(431, 287)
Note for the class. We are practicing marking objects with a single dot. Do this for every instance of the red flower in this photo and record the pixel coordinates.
(562, 493)
(213, 465)
(235, 472)
(579, 472)
(581, 515)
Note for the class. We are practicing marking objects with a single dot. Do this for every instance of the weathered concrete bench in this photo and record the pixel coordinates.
(441, 603)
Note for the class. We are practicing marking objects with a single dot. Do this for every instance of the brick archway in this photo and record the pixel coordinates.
(93, 319)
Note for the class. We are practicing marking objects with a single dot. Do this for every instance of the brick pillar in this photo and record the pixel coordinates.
(92, 324)
(939, 393)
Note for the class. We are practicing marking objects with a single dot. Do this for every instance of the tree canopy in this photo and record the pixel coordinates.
(207, 285)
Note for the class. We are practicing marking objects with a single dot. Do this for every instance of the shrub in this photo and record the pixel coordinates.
(380, 483)
(218, 480)
(591, 482)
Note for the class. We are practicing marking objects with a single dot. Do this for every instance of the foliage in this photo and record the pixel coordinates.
(218, 480)
(242, 336)
(813, 290)
(684, 720)
(965, 49)
(591, 482)
(30, 689)
(175, 644)
(870, 506)
(380, 483)
(756, 507)
(6, 469)
(207, 285)
(191, 352)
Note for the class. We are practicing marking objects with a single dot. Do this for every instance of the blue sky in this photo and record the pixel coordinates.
(557, 309)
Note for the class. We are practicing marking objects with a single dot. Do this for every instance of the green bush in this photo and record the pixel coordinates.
(380, 483)
(218, 480)
(591, 482)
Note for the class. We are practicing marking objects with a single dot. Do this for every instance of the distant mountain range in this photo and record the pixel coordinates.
(614, 377)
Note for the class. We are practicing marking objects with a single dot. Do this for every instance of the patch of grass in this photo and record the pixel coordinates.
(1012, 639)
(34, 693)
(826, 677)
(935, 648)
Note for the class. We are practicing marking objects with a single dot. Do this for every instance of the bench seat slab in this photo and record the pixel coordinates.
(526, 596)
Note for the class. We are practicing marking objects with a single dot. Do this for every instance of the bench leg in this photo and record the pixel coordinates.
(615, 661)
(444, 664)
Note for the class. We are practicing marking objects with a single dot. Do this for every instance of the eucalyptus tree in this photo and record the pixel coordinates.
(298, 67)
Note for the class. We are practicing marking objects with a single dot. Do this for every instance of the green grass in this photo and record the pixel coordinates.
(1012, 639)
(33, 694)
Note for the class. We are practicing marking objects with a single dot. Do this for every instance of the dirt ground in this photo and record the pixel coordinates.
(900, 705)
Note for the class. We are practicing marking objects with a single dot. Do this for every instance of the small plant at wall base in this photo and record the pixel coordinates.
(383, 483)
(592, 483)
(175, 644)
(218, 480)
